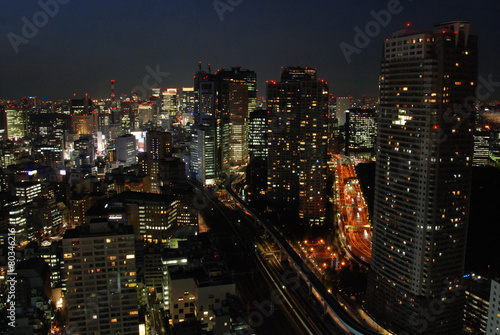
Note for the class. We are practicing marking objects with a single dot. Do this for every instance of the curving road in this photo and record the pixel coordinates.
(354, 217)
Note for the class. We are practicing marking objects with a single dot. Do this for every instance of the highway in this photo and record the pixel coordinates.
(354, 217)
(338, 313)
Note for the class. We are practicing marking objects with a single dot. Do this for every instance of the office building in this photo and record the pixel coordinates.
(210, 142)
(17, 123)
(219, 103)
(423, 175)
(238, 118)
(297, 142)
(187, 105)
(257, 133)
(100, 275)
(27, 191)
(126, 149)
(360, 131)
(240, 90)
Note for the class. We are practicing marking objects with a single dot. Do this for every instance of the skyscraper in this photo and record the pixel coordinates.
(126, 149)
(100, 274)
(423, 178)
(257, 133)
(298, 124)
(210, 143)
(238, 118)
(239, 89)
(217, 97)
(158, 148)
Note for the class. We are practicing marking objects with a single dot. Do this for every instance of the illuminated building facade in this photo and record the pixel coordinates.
(210, 143)
(100, 275)
(423, 178)
(298, 125)
(238, 118)
(361, 130)
(187, 105)
(27, 191)
(257, 133)
(221, 99)
(17, 123)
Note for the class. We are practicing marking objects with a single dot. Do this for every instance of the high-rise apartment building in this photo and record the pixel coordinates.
(423, 178)
(298, 125)
(100, 275)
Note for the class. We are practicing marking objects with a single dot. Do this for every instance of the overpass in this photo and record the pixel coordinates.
(330, 306)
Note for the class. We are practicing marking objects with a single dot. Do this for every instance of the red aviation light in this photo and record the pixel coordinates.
(436, 126)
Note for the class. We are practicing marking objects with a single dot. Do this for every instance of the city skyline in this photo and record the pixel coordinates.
(229, 166)
(79, 48)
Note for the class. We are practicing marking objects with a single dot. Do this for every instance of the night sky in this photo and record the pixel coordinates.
(88, 43)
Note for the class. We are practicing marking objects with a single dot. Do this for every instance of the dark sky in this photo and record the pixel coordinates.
(87, 43)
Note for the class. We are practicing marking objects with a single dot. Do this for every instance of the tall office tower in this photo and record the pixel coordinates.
(203, 155)
(361, 131)
(100, 275)
(236, 75)
(238, 118)
(211, 134)
(213, 108)
(298, 123)
(240, 90)
(169, 103)
(423, 178)
(187, 105)
(126, 152)
(158, 148)
(257, 133)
